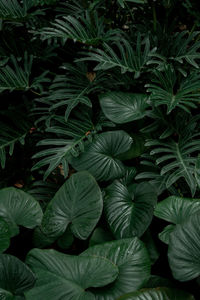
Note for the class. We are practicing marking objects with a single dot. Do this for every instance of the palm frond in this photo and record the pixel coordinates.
(78, 8)
(177, 159)
(14, 128)
(14, 10)
(167, 90)
(75, 87)
(185, 48)
(122, 2)
(128, 60)
(86, 30)
(68, 139)
(164, 126)
(16, 75)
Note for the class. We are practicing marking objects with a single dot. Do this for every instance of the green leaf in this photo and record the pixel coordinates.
(151, 246)
(176, 209)
(40, 240)
(129, 210)
(64, 276)
(129, 175)
(4, 235)
(78, 204)
(85, 29)
(122, 55)
(16, 76)
(164, 236)
(178, 158)
(69, 138)
(66, 240)
(14, 126)
(133, 262)
(164, 90)
(136, 149)
(122, 107)
(161, 293)
(137, 1)
(15, 276)
(121, 3)
(197, 171)
(100, 236)
(14, 10)
(19, 208)
(155, 281)
(184, 249)
(99, 157)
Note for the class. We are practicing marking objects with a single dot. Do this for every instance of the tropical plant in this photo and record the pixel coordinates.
(99, 150)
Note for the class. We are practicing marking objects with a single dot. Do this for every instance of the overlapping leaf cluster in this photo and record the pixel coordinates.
(100, 137)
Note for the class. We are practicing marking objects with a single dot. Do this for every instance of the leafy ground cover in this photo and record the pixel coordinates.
(99, 150)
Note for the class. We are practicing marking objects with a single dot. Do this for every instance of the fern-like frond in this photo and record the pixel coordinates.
(185, 48)
(15, 10)
(122, 2)
(43, 191)
(128, 59)
(167, 90)
(16, 75)
(44, 2)
(68, 139)
(164, 126)
(14, 128)
(77, 8)
(86, 30)
(177, 159)
(151, 172)
(68, 90)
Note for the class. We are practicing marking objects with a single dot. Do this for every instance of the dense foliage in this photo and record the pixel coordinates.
(99, 149)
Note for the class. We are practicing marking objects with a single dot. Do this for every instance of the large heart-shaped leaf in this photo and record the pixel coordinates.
(78, 203)
(131, 257)
(175, 210)
(4, 235)
(100, 157)
(19, 208)
(15, 277)
(184, 249)
(165, 234)
(129, 210)
(161, 293)
(100, 236)
(122, 107)
(136, 149)
(61, 276)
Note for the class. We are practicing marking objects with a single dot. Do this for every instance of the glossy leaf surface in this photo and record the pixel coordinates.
(78, 204)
